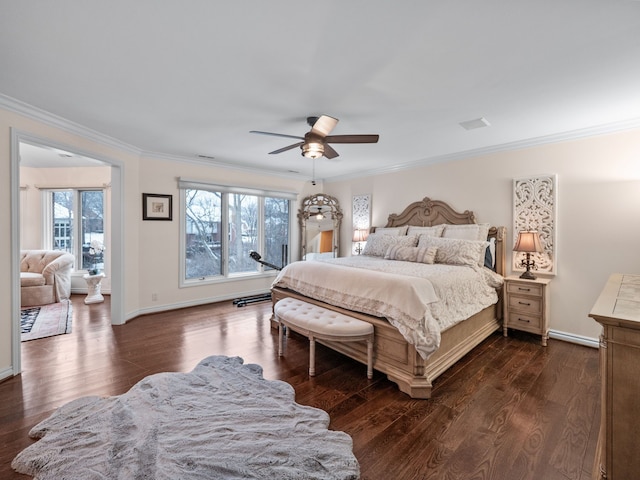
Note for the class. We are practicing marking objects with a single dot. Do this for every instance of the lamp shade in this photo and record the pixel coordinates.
(528, 241)
(360, 234)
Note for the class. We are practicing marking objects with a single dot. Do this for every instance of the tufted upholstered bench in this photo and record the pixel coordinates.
(314, 321)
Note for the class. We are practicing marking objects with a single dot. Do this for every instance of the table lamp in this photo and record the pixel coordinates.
(528, 242)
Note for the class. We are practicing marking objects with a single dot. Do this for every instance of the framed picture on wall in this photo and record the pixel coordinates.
(156, 206)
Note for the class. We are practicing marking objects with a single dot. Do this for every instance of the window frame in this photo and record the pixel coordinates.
(225, 191)
(49, 221)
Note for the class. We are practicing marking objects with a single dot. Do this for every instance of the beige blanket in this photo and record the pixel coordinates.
(402, 300)
(419, 300)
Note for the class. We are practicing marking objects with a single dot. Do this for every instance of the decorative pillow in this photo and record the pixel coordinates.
(411, 254)
(391, 230)
(378, 244)
(456, 251)
(435, 231)
(473, 231)
(490, 255)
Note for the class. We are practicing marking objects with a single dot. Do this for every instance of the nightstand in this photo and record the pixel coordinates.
(526, 306)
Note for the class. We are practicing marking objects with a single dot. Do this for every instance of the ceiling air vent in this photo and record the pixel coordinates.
(476, 123)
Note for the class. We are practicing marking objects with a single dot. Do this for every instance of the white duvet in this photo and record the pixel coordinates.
(420, 300)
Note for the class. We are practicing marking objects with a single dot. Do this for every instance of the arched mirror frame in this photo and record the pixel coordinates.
(311, 206)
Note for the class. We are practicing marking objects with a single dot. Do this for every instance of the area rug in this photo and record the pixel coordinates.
(45, 321)
(221, 421)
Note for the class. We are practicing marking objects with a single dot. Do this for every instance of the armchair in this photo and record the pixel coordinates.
(45, 276)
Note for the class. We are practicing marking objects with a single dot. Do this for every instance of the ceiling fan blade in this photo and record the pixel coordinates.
(276, 134)
(284, 149)
(329, 152)
(324, 125)
(352, 139)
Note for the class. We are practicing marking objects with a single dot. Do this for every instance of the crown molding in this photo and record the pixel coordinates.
(35, 113)
(604, 129)
(40, 115)
(207, 162)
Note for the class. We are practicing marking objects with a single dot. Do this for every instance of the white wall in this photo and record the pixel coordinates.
(598, 209)
(158, 259)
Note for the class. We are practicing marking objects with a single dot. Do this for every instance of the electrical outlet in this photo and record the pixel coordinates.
(154, 297)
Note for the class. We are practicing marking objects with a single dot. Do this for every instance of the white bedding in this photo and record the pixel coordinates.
(420, 300)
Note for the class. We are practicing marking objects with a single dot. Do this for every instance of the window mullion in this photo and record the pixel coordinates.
(261, 243)
(76, 234)
(224, 238)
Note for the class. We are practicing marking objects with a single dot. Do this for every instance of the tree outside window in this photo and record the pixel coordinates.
(221, 229)
(77, 211)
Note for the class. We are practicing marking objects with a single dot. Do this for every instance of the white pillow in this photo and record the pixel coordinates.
(473, 231)
(456, 251)
(435, 231)
(492, 251)
(411, 254)
(378, 244)
(391, 230)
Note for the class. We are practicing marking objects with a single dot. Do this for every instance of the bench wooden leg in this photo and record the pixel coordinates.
(280, 328)
(369, 359)
(312, 356)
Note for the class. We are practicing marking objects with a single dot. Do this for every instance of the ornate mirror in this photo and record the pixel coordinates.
(320, 218)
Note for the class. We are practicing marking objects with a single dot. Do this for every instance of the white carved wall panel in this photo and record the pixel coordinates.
(534, 208)
(361, 213)
(361, 217)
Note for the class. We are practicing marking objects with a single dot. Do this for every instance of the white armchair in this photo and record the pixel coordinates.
(45, 276)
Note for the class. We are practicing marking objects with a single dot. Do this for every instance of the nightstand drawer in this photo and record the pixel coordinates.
(524, 289)
(528, 305)
(532, 323)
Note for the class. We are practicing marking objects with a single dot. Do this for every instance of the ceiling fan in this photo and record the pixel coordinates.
(315, 142)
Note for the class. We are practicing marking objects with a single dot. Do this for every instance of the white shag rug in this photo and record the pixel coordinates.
(221, 421)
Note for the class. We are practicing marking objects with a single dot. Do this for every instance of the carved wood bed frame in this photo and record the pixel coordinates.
(392, 354)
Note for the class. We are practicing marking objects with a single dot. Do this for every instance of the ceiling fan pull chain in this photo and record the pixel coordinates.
(313, 180)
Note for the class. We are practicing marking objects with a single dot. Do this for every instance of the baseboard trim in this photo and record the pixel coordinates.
(192, 303)
(555, 334)
(572, 338)
(6, 373)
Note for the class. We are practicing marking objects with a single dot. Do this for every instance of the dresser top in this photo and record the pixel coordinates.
(619, 301)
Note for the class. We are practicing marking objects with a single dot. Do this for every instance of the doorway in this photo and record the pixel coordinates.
(25, 149)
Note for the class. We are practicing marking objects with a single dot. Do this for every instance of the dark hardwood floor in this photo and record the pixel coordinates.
(510, 410)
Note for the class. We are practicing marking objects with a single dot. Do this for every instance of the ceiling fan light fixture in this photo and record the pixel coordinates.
(312, 150)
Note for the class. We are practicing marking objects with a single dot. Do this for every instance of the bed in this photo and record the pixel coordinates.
(412, 367)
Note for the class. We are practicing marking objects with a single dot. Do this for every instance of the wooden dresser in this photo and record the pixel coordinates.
(618, 311)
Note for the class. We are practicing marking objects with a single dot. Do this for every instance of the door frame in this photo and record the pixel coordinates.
(116, 227)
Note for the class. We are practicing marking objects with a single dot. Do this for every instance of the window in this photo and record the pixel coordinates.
(222, 225)
(71, 211)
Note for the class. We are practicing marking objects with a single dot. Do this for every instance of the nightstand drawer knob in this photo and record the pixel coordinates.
(524, 289)
(524, 303)
(524, 320)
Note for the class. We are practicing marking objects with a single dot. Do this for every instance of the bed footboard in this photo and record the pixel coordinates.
(398, 359)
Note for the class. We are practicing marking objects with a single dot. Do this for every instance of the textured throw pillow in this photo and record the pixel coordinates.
(391, 230)
(473, 231)
(490, 255)
(456, 251)
(435, 231)
(411, 254)
(378, 244)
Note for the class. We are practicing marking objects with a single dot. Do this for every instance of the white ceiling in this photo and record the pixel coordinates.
(193, 77)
